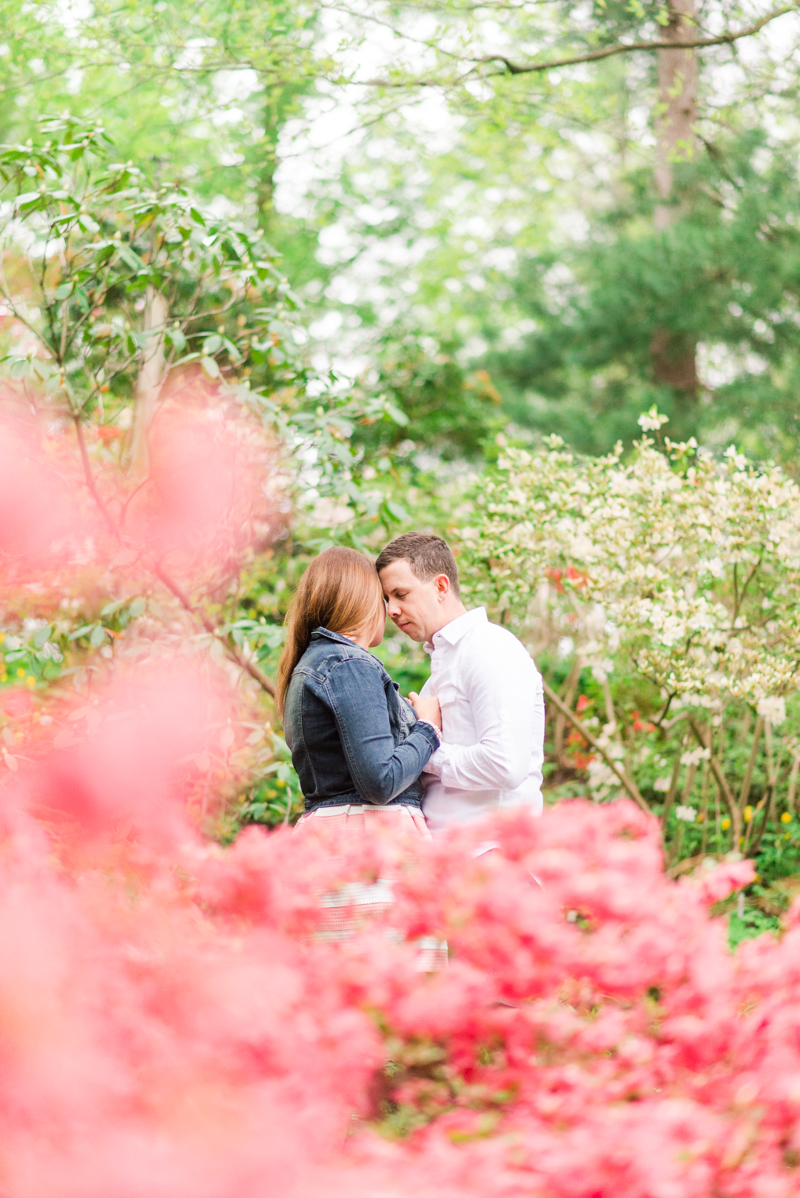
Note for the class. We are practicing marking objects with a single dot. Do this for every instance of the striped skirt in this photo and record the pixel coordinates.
(353, 904)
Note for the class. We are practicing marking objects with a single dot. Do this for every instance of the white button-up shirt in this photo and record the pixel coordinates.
(492, 722)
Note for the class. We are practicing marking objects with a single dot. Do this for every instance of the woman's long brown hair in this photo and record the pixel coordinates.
(340, 591)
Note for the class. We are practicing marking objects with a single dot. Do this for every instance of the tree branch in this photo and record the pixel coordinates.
(239, 658)
(515, 68)
(250, 667)
(89, 476)
(722, 781)
(578, 723)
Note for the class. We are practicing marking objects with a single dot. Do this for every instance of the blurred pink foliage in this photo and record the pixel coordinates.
(171, 1026)
(213, 484)
(214, 492)
(39, 507)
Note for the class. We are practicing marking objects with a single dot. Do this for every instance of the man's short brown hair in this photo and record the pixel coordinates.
(426, 554)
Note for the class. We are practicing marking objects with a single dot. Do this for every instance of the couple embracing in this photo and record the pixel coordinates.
(471, 742)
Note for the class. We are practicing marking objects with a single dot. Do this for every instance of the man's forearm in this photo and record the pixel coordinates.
(481, 766)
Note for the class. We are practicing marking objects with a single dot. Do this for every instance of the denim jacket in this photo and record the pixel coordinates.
(353, 738)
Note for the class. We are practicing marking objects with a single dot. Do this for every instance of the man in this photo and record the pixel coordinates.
(489, 690)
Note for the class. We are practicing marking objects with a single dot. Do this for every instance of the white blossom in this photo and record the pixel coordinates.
(688, 814)
(651, 421)
(641, 565)
(772, 708)
(695, 756)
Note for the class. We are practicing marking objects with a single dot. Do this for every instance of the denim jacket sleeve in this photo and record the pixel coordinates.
(379, 768)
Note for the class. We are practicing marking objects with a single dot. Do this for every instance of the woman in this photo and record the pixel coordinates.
(358, 747)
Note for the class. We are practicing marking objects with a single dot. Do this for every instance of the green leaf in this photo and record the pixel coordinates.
(84, 628)
(41, 635)
(136, 609)
(21, 368)
(110, 608)
(177, 338)
(394, 509)
(212, 344)
(397, 416)
(98, 636)
(32, 205)
(210, 367)
(64, 291)
(130, 258)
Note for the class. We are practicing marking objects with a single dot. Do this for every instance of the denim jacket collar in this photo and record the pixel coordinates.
(321, 632)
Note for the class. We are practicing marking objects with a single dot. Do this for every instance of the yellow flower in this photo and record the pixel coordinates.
(786, 818)
(786, 836)
(748, 814)
(725, 824)
(30, 680)
(20, 672)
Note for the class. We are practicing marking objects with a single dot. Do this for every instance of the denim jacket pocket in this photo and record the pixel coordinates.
(402, 716)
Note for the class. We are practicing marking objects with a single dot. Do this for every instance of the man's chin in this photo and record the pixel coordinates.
(412, 633)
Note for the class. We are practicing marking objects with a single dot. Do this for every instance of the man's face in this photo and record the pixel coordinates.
(413, 605)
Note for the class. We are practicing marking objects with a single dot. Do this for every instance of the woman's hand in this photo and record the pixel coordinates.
(427, 709)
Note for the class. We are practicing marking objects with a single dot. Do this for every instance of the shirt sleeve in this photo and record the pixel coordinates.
(504, 690)
(380, 769)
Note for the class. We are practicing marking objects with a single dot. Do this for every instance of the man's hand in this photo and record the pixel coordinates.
(427, 708)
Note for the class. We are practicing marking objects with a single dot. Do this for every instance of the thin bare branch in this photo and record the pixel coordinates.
(89, 477)
(509, 67)
(628, 783)
(744, 793)
(722, 781)
(249, 667)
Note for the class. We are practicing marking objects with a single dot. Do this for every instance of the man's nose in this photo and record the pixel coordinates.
(392, 609)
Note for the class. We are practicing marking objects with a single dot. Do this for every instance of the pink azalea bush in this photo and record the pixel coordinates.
(173, 1024)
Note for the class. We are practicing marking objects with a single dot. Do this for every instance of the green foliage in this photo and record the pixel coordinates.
(200, 89)
(275, 797)
(749, 924)
(106, 241)
(726, 274)
(436, 404)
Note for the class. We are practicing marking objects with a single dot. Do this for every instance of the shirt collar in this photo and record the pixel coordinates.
(452, 633)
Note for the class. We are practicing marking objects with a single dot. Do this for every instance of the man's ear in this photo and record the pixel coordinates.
(442, 586)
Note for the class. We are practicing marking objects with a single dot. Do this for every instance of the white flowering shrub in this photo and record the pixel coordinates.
(670, 582)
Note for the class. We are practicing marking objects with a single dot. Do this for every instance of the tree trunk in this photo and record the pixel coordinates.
(673, 360)
(149, 379)
(278, 107)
